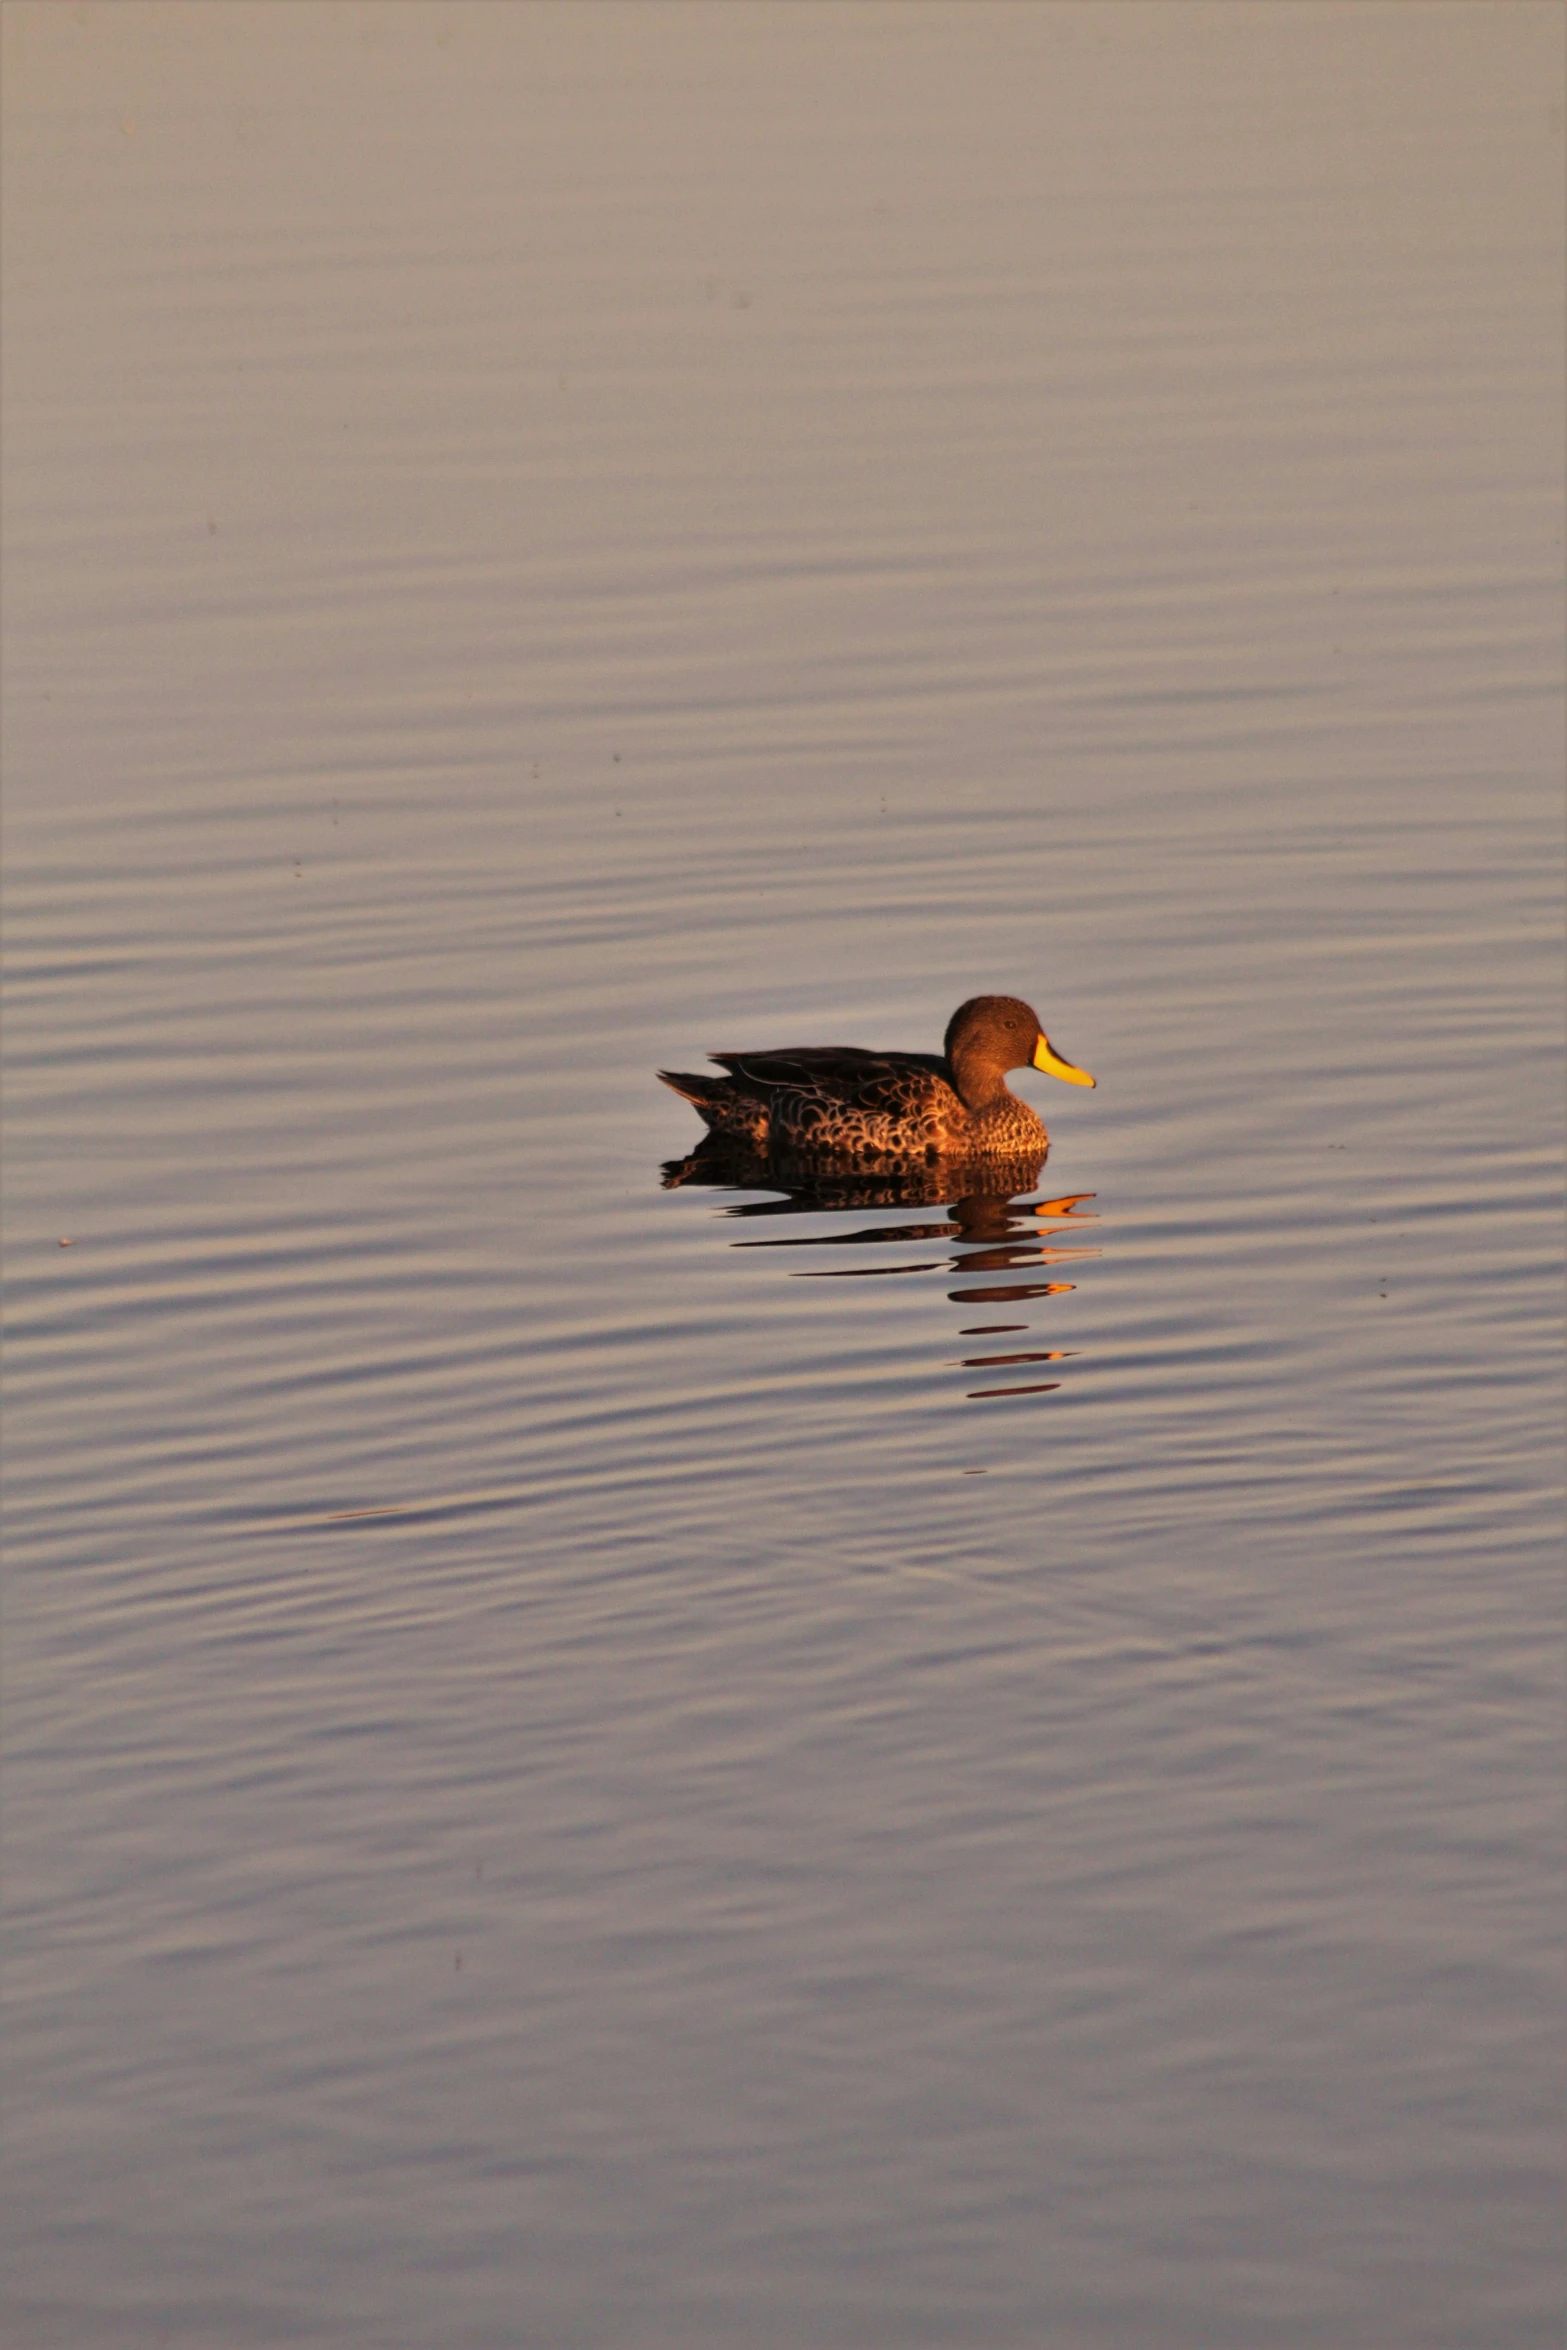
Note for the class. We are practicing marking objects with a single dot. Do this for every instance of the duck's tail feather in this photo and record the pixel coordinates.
(724, 1107)
(707, 1095)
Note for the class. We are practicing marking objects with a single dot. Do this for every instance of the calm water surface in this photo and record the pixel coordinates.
(594, 1757)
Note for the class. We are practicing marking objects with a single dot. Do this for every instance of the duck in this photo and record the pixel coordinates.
(891, 1111)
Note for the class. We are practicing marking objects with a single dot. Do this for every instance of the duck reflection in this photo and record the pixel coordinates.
(995, 1229)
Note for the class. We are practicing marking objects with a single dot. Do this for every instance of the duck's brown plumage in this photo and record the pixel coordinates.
(835, 1102)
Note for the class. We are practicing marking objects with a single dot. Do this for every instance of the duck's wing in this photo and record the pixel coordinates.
(842, 1072)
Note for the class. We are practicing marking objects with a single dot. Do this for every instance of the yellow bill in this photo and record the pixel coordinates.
(1046, 1057)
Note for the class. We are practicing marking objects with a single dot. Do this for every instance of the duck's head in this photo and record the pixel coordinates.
(991, 1034)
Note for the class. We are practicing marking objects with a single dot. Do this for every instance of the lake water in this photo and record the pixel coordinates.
(593, 1763)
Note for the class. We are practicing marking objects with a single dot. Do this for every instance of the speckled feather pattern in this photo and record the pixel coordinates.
(855, 1183)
